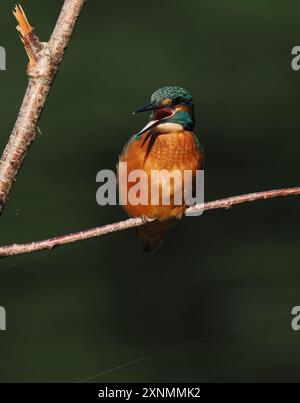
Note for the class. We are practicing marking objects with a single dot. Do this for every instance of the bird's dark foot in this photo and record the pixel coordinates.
(145, 219)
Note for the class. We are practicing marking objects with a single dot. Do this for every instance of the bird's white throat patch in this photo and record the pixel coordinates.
(167, 127)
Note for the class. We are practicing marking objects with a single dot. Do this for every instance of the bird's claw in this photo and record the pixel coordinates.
(145, 219)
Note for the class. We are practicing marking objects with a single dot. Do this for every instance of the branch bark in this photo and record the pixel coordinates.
(44, 61)
(18, 249)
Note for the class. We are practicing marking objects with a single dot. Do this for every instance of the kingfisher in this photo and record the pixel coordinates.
(167, 142)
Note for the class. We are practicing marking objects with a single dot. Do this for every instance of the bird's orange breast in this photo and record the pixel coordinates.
(166, 151)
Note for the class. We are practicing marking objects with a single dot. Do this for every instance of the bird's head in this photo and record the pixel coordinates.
(170, 105)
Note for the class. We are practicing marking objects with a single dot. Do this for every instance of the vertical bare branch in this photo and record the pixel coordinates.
(44, 60)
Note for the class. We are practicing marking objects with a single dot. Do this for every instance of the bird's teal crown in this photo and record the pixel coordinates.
(178, 94)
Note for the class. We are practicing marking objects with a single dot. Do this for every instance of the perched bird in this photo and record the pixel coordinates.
(167, 142)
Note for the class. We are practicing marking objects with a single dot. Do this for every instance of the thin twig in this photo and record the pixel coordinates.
(44, 60)
(18, 249)
(29, 38)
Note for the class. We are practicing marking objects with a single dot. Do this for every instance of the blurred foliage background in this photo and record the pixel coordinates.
(214, 303)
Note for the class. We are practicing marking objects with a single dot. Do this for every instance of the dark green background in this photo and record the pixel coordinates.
(214, 303)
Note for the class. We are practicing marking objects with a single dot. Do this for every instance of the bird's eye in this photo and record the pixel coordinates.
(177, 101)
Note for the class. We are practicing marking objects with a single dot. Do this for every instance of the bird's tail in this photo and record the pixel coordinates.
(152, 234)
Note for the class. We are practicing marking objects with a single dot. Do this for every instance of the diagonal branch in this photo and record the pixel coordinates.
(44, 60)
(18, 249)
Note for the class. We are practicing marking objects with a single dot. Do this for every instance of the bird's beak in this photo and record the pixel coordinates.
(149, 107)
(166, 113)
